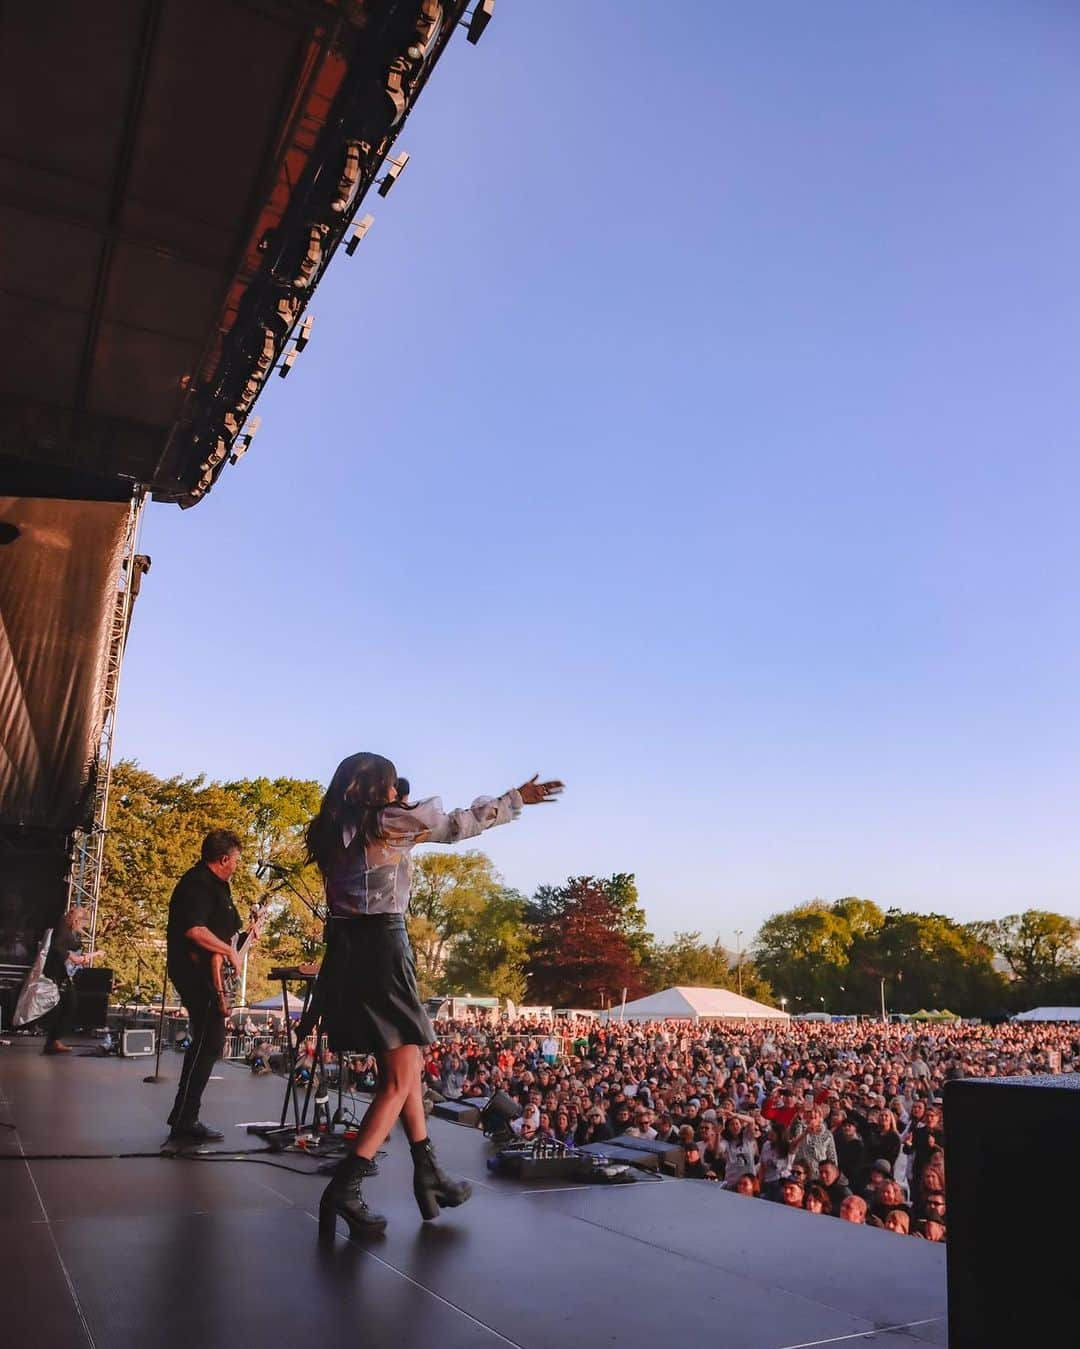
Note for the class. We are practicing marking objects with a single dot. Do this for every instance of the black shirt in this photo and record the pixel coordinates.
(65, 942)
(200, 899)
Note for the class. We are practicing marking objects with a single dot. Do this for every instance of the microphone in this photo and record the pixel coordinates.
(263, 867)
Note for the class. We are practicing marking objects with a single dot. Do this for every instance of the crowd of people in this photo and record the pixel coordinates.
(840, 1119)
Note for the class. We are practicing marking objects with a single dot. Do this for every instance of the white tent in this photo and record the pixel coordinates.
(273, 1004)
(1049, 1014)
(692, 1003)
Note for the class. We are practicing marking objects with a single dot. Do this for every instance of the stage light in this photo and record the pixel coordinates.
(393, 173)
(287, 363)
(427, 25)
(359, 230)
(242, 443)
(303, 336)
(479, 20)
(309, 265)
(350, 176)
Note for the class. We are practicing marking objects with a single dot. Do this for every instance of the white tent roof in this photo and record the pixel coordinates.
(273, 1004)
(685, 1003)
(1049, 1014)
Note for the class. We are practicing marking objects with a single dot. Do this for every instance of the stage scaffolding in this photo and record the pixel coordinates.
(88, 845)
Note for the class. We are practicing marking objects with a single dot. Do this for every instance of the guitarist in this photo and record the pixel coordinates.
(202, 923)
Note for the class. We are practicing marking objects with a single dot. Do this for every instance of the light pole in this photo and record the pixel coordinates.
(783, 1004)
(738, 957)
(883, 1016)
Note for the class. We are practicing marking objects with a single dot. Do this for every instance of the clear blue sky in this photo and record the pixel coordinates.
(698, 423)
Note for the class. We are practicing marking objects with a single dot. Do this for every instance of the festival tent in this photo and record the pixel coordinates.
(273, 1004)
(1049, 1014)
(697, 1003)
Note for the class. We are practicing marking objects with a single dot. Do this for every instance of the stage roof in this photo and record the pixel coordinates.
(174, 177)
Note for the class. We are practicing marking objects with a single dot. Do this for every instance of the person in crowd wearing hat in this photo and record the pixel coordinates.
(791, 1193)
(879, 1174)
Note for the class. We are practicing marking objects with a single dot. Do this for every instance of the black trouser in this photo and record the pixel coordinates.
(55, 1022)
(207, 1022)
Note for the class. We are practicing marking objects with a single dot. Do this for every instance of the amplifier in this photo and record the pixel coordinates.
(137, 1044)
(93, 979)
(461, 1112)
(1012, 1271)
(671, 1156)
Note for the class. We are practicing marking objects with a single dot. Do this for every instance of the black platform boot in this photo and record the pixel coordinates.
(343, 1198)
(434, 1190)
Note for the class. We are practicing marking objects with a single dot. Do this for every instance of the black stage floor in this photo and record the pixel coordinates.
(183, 1254)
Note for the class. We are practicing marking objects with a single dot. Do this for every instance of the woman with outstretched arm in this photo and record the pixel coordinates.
(366, 996)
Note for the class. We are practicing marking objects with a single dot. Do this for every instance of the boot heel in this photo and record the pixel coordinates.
(327, 1219)
(426, 1202)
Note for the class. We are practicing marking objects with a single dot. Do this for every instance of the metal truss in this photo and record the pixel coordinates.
(88, 845)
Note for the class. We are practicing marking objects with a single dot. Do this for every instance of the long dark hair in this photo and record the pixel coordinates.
(359, 791)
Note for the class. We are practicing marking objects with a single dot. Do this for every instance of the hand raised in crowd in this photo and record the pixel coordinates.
(535, 793)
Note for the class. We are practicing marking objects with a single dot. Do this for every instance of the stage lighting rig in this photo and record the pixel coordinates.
(242, 443)
(427, 28)
(478, 20)
(300, 341)
(350, 177)
(303, 337)
(359, 230)
(392, 173)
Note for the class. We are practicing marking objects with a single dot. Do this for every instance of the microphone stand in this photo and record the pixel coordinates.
(156, 1076)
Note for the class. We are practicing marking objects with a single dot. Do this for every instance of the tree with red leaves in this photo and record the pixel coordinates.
(580, 957)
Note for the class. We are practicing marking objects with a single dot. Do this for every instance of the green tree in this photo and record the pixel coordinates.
(689, 961)
(488, 959)
(927, 960)
(803, 954)
(630, 920)
(1041, 948)
(450, 892)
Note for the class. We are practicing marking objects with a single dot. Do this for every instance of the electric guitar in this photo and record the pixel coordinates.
(223, 978)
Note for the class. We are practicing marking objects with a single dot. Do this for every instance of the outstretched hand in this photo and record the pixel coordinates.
(535, 793)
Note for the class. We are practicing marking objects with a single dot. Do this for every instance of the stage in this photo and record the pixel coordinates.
(193, 1254)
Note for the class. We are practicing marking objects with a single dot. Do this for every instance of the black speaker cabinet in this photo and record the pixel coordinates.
(90, 1009)
(1011, 1191)
(671, 1156)
(94, 980)
(461, 1112)
(617, 1154)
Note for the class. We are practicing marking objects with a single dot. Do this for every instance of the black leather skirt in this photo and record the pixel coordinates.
(366, 992)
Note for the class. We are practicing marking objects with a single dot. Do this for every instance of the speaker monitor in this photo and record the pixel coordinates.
(498, 1113)
(671, 1156)
(1011, 1266)
(137, 1044)
(461, 1112)
(615, 1152)
(94, 980)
